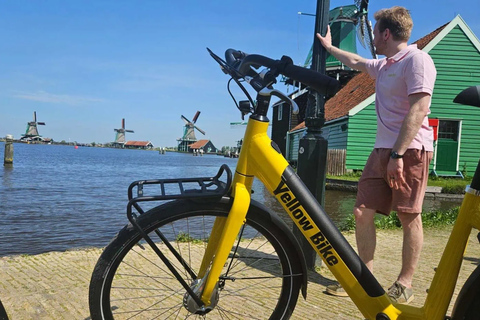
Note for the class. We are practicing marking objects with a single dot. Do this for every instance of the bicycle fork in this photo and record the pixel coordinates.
(222, 239)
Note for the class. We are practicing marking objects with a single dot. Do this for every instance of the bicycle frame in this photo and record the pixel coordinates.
(259, 159)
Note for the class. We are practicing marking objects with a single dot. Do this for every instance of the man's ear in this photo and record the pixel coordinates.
(386, 34)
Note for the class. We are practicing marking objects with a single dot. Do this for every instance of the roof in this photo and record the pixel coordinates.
(359, 92)
(138, 143)
(199, 144)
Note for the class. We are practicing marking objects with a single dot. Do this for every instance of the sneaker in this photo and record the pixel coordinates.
(336, 289)
(400, 294)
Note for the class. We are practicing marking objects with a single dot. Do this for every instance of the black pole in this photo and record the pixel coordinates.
(312, 153)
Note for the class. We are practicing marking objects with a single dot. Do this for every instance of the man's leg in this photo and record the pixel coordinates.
(365, 235)
(412, 245)
(366, 241)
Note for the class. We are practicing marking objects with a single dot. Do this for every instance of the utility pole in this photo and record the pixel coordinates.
(312, 152)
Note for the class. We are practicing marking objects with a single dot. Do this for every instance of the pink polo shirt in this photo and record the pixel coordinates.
(409, 71)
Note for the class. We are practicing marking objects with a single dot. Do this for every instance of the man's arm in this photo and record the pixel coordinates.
(352, 60)
(419, 106)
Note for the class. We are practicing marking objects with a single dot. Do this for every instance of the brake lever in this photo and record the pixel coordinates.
(274, 92)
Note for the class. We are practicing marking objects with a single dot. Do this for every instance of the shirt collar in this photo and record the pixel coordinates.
(402, 53)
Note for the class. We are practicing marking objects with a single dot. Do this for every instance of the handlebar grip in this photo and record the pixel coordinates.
(233, 57)
(321, 83)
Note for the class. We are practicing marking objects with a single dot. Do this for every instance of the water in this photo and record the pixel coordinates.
(57, 198)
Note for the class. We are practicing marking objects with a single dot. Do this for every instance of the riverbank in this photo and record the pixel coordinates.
(432, 192)
(54, 285)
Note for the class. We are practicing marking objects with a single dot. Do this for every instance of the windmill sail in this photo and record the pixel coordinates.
(32, 130)
(120, 133)
(189, 132)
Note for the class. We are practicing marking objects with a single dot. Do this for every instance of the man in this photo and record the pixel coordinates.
(396, 173)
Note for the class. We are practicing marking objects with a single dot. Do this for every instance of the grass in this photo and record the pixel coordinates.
(185, 237)
(431, 219)
(448, 185)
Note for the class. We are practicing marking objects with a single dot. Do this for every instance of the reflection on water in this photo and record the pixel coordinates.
(58, 197)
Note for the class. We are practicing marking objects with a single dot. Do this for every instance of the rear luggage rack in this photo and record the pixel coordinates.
(180, 188)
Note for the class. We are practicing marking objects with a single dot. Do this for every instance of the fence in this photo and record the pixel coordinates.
(336, 162)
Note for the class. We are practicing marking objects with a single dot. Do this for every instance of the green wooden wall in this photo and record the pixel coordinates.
(458, 67)
(362, 129)
(336, 136)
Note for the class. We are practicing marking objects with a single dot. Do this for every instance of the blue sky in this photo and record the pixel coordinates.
(85, 65)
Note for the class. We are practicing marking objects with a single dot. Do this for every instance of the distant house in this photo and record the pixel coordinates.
(205, 145)
(138, 145)
(37, 139)
(351, 119)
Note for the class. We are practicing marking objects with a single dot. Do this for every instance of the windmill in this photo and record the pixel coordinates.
(345, 22)
(189, 133)
(120, 136)
(364, 27)
(32, 130)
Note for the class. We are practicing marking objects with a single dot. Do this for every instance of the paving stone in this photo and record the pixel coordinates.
(54, 285)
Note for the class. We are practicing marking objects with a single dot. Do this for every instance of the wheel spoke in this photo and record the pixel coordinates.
(257, 281)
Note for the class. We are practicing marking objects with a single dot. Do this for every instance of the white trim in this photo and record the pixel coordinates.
(325, 124)
(465, 28)
(298, 93)
(298, 130)
(362, 105)
(336, 120)
(287, 147)
(459, 137)
(459, 142)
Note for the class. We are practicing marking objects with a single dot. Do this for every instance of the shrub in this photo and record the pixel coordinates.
(431, 219)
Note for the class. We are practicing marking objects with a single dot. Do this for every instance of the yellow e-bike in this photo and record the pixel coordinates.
(209, 251)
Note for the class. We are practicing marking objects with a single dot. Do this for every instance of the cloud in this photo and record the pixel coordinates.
(43, 96)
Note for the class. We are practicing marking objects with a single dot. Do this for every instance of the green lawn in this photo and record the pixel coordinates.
(449, 185)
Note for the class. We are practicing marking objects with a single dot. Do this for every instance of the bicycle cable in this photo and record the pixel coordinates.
(252, 104)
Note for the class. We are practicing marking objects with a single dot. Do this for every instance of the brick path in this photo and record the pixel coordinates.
(55, 285)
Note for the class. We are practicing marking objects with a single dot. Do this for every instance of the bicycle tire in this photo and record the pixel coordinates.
(3, 312)
(467, 305)
(265, 265)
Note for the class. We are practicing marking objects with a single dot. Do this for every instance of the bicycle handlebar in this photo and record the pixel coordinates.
(243, 62)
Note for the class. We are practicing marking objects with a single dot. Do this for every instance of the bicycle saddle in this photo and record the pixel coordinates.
(469, 96)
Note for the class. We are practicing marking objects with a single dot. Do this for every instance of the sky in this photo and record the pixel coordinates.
(85, 65)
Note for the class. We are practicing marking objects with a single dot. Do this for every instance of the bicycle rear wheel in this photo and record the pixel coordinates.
(261, 279)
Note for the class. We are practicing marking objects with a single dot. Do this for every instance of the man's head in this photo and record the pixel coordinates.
(394, 23)
(397, 20)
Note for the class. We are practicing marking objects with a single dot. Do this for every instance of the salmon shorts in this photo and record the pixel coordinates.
(375, 193)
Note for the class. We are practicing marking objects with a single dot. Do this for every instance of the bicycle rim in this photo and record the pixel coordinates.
(258, 280)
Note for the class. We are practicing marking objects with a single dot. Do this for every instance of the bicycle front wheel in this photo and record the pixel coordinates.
(3, 313)
(261, 279)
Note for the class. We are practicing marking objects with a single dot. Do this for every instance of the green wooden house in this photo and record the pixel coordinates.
(351, 119)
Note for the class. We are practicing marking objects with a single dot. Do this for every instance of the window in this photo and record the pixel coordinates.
(448, 129)
(280, 112)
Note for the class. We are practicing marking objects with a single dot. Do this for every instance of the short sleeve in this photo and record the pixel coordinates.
(420, 74)
(373, 66)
